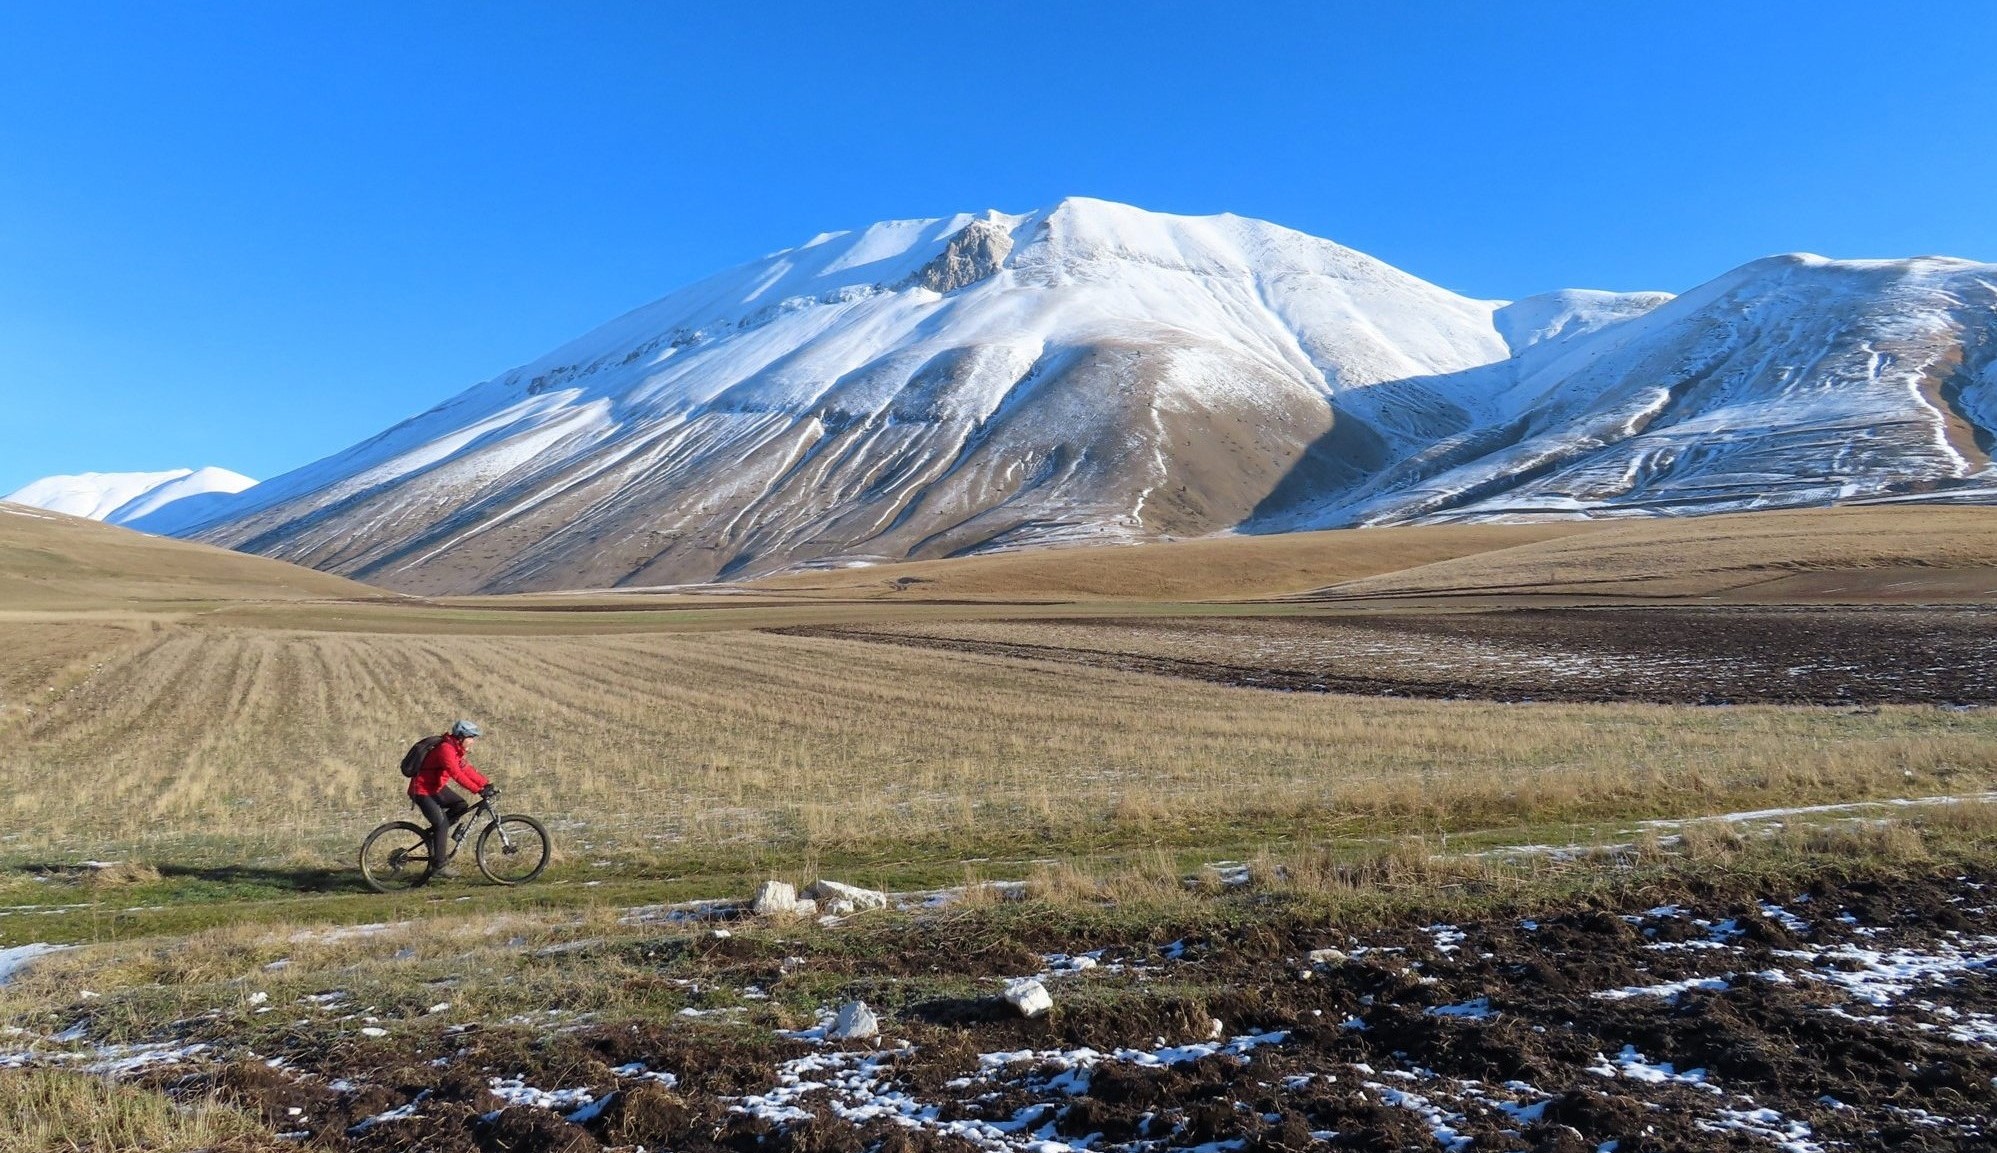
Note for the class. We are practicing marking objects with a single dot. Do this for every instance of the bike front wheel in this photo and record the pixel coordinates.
(513, 850)
(396, 856)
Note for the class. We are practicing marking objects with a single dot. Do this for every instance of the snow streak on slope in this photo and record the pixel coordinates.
(121, 497)
(1094, 372)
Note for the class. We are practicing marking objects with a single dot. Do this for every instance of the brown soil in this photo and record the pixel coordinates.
(1939, 655)
(1415, 1038)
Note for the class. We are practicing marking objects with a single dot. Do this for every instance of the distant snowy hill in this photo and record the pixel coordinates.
(124, 497)
(1095, 372)
(1789, 382)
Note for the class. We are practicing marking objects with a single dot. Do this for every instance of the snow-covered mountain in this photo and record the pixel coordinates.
(1791, 381)
(1095, 372)
(123, 497)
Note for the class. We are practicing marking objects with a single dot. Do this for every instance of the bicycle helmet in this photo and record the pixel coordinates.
(464, 729)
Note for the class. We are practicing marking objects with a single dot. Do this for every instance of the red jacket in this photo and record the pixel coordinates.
(446, 763)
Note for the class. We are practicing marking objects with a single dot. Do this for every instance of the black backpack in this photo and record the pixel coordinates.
(412, 761)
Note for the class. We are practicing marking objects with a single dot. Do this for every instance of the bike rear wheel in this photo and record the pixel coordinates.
(513, 850)
(396, 856)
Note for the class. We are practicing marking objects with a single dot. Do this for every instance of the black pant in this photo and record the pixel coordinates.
(442, 810)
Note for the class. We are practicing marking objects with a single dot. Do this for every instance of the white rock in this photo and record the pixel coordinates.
(722, 934)
(805, 907)
(861, 898)
(839, 907)
(1029, 996)
(773, 899)
(1326, 956)
(855, 1022)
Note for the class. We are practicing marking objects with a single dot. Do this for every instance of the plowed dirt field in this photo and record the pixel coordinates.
(1857, 1014)
(1933, 655)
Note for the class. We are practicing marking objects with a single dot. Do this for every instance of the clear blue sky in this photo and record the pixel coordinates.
(251, 234)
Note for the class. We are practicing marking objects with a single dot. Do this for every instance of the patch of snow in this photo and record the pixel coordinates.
(1475, 1010)
(1670, 989)
(1631, 1064)
(1789, 1135)
(124, 1060)
(399, 1113)
(340, 933)
(1441, 1122)
(637, 1071)
(516, 1091)
(1883, 976)
(15, 959)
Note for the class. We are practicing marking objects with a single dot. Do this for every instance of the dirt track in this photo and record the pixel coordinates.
(1940, 655)
(1855, 1016)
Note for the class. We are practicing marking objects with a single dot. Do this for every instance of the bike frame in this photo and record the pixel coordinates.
(463, 826)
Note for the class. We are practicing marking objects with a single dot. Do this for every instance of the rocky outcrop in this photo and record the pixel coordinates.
(830, 892)
(1028, 996)
(974, 254)
(855, 1022)
(775, 899)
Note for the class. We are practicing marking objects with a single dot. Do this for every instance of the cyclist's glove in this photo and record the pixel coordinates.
(489, 792)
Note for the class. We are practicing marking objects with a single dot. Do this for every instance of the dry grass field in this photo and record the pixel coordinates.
(663, 739)
(1230, 568)
(55, 563)
(268, 723)
(46, 1111)
(1847, 555)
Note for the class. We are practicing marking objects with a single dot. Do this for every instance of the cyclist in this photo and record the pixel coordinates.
(430, 790)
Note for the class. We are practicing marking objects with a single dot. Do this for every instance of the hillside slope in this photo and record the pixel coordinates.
(1222, 568)
(50, 561)
(1859, 554)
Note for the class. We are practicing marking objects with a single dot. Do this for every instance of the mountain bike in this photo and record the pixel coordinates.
(510, 850)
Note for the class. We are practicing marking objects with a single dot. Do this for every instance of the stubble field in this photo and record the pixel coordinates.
(1271, 920)
(187, 742)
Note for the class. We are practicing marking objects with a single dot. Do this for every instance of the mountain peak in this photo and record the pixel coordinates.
(974, 252)
(1095, 372)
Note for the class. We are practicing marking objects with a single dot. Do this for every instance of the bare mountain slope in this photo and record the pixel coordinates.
(1097, 373)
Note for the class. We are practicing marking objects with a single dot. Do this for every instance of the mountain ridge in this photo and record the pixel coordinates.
(1093, 372)
(123, 497)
